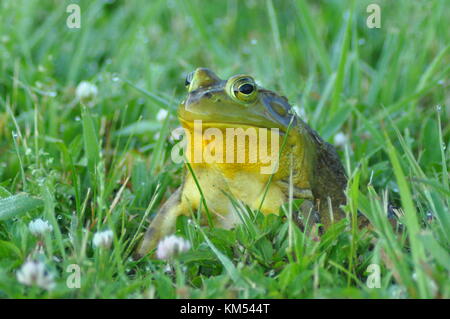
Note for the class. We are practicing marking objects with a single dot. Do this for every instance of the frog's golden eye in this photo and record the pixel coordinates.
(242, 89)
(246, 89)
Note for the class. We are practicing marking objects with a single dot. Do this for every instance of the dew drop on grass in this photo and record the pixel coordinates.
(59, 217)
(115, 78)
(77, 119)
(438, 108)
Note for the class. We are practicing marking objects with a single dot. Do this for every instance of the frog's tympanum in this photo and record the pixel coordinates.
(306, 167)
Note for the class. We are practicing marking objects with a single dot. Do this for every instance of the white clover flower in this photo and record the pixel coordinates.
(33, 273)
(161, 115)
(340, 139)
(171, 246)
(39, 227)
(103, 239)
(86, 91)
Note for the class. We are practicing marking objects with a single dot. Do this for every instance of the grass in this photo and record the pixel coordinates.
(106, 165)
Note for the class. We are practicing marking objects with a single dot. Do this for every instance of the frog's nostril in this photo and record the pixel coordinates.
(203, 77)
(188, 79)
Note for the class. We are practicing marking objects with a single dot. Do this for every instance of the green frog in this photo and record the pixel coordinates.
(306, 167)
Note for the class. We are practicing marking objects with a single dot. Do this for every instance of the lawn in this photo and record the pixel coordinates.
(101, 162)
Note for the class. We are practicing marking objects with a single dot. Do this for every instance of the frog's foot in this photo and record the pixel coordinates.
(394, 214)
(307, 218)
(162, 225)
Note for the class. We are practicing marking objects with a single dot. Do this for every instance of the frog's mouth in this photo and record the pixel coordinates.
(203, 125)
(207, 123)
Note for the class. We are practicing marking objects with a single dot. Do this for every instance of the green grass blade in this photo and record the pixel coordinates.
(17, 205)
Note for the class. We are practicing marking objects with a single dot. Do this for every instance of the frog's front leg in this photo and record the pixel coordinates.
(162, 225)
(307, 216)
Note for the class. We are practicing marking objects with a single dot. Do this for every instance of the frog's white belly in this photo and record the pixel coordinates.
(243, 186)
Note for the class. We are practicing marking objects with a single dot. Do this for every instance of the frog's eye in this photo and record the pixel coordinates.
(242, 89)
(246, 88)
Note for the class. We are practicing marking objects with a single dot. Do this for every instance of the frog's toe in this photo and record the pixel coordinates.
(148, 243)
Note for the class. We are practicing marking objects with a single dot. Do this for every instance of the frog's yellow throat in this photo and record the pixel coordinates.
(232, 147)
(236, 148)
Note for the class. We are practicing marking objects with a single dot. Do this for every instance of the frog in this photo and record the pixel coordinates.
(308, 169)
